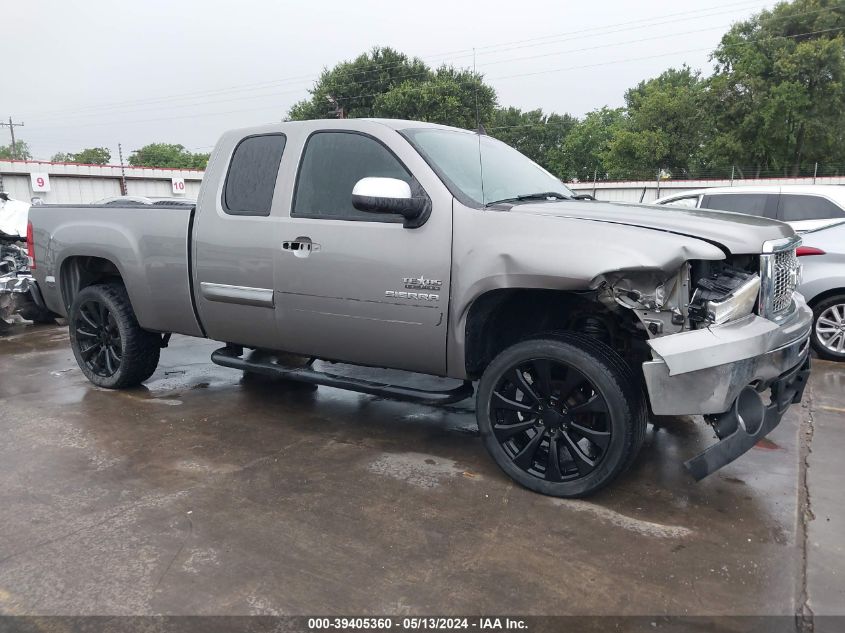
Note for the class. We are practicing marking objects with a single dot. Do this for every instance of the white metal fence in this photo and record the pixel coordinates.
(650, 190)
(83, 184)
(69, 183)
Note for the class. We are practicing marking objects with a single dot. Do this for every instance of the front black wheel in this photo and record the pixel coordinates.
(110, 347)
(561, 416)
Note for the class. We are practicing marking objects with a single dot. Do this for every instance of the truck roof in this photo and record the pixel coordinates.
(347, 124)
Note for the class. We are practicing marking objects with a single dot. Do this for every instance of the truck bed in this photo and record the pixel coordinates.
(149, 245)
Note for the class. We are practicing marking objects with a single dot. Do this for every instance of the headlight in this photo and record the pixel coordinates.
(739, 303)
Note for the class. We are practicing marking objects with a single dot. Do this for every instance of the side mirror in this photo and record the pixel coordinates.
(388, 195)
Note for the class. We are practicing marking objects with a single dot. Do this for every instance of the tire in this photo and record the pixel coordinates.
(110, 347)
(587, 415)
(828, 336)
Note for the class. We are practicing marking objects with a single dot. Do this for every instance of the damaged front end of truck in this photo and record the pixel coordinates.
(729, 339)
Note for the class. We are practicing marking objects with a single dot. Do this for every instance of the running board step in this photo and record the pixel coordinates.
(231, 357)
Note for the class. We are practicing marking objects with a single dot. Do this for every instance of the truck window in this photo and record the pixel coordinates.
(252, 175)
(688, 203)
(762, 204)
(331, 165)
(794, 208)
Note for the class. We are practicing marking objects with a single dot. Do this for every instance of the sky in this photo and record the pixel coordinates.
(102, 72)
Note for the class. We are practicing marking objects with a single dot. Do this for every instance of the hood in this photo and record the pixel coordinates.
(735, 232)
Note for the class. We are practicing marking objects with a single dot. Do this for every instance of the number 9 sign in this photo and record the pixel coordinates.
(39, 182)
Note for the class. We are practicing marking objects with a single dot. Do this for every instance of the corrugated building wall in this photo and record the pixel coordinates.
(70, 183)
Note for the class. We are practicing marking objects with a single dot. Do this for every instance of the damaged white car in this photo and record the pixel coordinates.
(16, 285)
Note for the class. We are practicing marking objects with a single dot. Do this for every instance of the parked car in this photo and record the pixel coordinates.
(158, 201)
(17, 289)
(803, 207)
(823, 258)
(384, 243)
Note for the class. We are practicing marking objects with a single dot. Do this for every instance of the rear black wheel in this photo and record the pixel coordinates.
(560, 415)
(110, 347)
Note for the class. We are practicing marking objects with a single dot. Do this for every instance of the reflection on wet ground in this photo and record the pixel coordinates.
(208, 491)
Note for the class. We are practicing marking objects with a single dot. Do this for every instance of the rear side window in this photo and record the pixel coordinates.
(794, 208)
(762, 204)
(252, 175)
(687, 203)
(331, 165)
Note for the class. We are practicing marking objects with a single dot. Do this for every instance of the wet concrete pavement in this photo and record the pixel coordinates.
(206, 492)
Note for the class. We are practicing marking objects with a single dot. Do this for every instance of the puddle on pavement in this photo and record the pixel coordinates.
(419, 469)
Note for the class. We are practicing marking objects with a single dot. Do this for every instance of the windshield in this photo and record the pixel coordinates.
(507, 174)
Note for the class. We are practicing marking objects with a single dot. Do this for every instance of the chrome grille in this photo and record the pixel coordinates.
(779, 274)
(785, 279)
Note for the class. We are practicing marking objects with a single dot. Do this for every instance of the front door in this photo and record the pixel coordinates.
(356, 286)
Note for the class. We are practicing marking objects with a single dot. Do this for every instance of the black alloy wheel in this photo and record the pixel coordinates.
(562, 415)
(111, 348)
(550, 420)
(99, 338)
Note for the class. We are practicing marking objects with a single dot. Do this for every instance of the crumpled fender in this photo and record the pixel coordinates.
(493, 250)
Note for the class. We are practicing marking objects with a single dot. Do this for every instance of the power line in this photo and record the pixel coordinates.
(425, 73)
(12, 125)
(490, 49)
(415, 88)
(412, 75)
(692, 50)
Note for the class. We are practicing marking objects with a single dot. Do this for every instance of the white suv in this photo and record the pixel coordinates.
(803, 207)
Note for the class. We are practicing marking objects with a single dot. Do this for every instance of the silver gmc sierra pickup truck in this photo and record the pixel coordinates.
(435, 250)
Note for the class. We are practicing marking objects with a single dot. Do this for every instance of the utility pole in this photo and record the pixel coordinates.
(12, 125)
(122, 171)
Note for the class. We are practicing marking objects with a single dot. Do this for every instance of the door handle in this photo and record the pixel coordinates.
(301, 246)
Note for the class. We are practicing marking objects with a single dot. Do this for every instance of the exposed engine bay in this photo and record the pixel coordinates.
(699, 294)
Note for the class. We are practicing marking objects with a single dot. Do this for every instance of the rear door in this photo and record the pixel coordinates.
(356, 286)
(236, 238)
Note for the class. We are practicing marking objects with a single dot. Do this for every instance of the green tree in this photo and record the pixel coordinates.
(21, 152)
(585, 149)
(88, 156)
(451, 97)
(538, 135)
(167, 155)
(200, 161)
(387, 83)
(778, 93)
(663, 126)
(352, 87)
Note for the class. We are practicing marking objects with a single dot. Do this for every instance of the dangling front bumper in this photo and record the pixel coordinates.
(724, 373)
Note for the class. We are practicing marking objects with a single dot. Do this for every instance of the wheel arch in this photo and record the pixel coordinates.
(80, 271)
(501, 317)
(827, 294)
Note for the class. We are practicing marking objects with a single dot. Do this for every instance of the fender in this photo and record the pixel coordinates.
(499, 250)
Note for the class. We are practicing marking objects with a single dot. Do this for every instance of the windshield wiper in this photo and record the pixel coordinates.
(545, 195)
